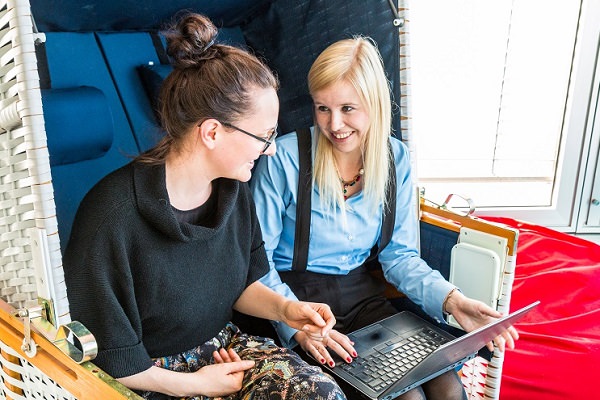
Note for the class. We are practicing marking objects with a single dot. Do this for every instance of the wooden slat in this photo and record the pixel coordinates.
(84, 381)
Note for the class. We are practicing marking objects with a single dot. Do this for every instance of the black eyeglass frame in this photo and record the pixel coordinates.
(268, 141)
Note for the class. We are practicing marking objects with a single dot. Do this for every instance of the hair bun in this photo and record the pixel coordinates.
(191, 40)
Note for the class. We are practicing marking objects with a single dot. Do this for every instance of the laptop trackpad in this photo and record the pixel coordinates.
(371, 336)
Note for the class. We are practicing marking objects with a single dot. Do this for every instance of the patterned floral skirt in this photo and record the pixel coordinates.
(279, 373)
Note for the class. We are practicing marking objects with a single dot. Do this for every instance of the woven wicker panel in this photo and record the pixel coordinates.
(39, 386)
(26, 195)
(17, 214)
(21, 380)
(10, 373)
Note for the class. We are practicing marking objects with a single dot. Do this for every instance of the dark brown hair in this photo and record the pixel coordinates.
(209, 80)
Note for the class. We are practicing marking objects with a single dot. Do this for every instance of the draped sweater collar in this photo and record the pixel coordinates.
(152, 199)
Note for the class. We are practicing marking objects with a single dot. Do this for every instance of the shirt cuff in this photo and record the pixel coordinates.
(286, 334)
(438, 296)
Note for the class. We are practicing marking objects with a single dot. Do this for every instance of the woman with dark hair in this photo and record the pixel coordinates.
(165, 248)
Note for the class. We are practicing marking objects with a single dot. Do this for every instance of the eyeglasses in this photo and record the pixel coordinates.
(266, 141)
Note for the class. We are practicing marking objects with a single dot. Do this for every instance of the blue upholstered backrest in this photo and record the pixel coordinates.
(88, 131)
(125, 52)
(97, 110)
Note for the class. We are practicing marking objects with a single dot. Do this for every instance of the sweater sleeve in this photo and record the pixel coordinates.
(101, 295)
(259, 264)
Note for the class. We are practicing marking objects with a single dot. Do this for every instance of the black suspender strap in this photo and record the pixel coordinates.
(389, 213)
(389, 216)
(303, 206)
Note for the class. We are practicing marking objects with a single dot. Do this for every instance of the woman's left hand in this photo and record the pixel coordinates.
(472, 314)
(314, 319)
(320, 349)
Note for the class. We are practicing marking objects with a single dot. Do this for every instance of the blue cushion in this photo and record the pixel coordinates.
(124, 51)
(79, 124)
(75, 60)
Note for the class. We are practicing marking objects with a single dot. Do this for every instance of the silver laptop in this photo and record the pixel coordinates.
(404, 351)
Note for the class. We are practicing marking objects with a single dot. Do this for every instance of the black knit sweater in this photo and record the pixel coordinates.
(147, 286)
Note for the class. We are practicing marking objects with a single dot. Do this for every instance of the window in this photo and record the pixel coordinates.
(499, 102)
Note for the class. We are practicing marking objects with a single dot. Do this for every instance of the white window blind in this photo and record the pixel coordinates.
(489, 89)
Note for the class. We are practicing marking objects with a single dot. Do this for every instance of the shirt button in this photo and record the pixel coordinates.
(344, 258)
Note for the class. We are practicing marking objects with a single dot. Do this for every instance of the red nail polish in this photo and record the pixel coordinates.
(349, 359)
(331, 364)
(322, 361)
(354, 354)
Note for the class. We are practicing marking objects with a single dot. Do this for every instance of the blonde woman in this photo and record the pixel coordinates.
(352, 147)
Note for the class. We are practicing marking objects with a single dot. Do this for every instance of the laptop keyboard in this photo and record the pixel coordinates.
(393, 359)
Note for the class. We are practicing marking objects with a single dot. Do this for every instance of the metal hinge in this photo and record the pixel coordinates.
(72, 338)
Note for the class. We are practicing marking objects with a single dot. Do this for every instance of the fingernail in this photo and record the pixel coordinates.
(349, 359)
(331, 363)
(354, 354)
(322, 361)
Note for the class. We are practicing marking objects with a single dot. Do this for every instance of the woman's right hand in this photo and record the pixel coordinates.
(336, 341)
(225, 376)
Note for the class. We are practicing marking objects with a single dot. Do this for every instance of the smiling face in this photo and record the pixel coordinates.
(243, 150)
(341, 116)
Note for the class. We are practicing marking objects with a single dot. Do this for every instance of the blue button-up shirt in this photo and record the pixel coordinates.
(335, 248)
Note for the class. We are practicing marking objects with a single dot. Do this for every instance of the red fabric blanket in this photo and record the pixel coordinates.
(557, 355)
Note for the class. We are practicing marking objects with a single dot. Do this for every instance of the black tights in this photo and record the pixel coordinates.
(445, 387)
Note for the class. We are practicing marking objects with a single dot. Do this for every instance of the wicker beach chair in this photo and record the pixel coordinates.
(37, 357)
(43, 354)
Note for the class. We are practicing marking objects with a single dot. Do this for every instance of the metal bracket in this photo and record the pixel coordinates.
(44, 281)
(469, 201)
(29, 347)
(398, 20)
(73, 339)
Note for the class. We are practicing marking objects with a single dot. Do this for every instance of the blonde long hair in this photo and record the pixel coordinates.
(358, 62)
